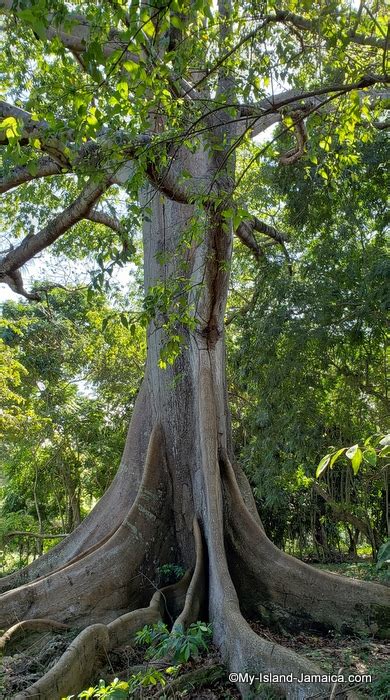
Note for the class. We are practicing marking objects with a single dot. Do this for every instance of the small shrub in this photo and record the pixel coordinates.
(170, 573)
(178, 645)
(379, 688)
(122, 690)
(383, 559)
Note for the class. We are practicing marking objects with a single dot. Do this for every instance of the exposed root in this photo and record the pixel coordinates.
(29, 626)
(197, 589)
(123, 628)
(173, 597)
(240, 647)
(273, 583)
(79, 591)
(74, 668)
(77, 665)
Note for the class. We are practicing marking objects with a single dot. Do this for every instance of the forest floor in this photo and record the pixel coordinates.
(30, 657)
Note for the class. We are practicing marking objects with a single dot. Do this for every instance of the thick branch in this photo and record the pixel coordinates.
(267, 112)
(74, 32)
(100, 217)
(245, 233)
(45, 167)
(284, 16)
(34, 244)
(269, 231)
(15, 282)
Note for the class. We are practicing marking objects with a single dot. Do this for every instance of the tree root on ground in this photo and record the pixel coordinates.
(74, 668)
(123, 628)
(80, 591)
(259, 576)
(29, 626)
(82, 658)
(289, 591)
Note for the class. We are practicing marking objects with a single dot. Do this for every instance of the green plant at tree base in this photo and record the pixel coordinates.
(119, 690)
(178, 645)
(170, 573)
(379, 688)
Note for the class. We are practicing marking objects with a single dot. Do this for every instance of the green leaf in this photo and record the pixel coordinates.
(130, 66)
(32, 167)
(352, 451)
(123, 89)
(369, 456)
(177, 22)
(124, 320)
(357, 460)
(383, 558)
(148, 26)
(322, 465)
(336, 456)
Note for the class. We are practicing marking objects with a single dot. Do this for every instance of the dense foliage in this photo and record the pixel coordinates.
(309, 351)
(73, 374)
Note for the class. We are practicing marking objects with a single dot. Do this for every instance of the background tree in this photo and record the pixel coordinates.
(158, 100)
(312, 346)
(71, 415)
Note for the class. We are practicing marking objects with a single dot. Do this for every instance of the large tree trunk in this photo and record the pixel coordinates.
(176, 497)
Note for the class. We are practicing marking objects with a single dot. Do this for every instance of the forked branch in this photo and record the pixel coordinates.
(245, 232)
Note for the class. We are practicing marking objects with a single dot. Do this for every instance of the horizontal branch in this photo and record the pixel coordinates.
(74, 32)
(245, 232)
(284, 16)
(267, 230)
(91, 153)
(34, 244)
(297, 21)
(45, 167)
(263, 114)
